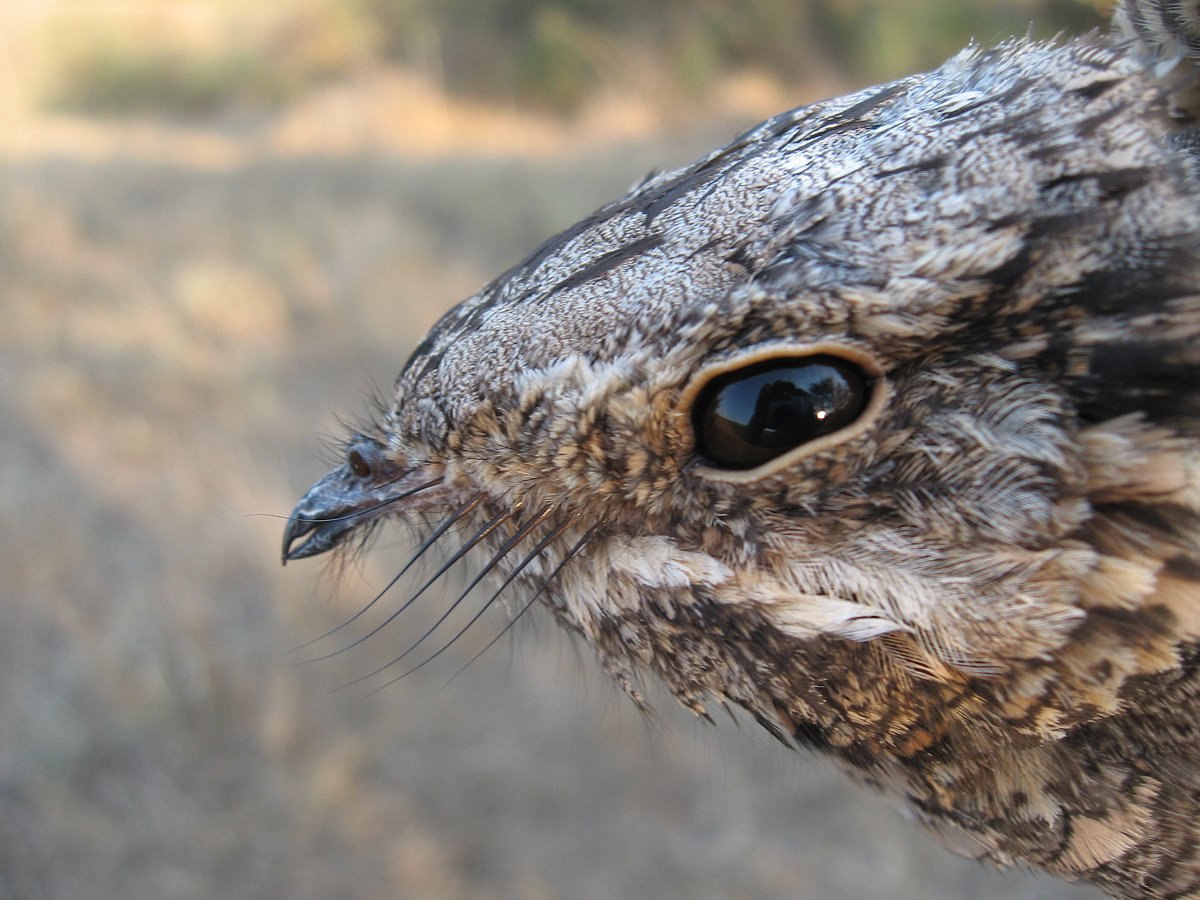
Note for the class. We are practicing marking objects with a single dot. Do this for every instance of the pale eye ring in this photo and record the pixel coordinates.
(749, 412)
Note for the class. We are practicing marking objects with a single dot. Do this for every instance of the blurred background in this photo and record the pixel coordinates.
(222, 225)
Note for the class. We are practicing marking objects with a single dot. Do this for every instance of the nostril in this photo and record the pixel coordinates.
(358, 464)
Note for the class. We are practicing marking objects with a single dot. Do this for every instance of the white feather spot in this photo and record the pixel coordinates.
(657, 561)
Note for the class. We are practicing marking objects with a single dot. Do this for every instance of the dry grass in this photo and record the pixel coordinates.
(181, 311)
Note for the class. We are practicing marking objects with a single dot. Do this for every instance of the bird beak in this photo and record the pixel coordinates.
(364, 488)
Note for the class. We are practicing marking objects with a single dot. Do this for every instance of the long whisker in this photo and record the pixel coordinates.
(518, 536)
(571, 554)
(462, 551)
(432, 539)
(530, 557)
(360, 512)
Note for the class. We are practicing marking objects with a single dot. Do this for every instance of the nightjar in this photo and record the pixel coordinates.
(881, 423)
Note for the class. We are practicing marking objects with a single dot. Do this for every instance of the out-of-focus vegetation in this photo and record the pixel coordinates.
(190, 57)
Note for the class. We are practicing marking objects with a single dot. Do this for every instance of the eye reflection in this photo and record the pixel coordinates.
(749, 416)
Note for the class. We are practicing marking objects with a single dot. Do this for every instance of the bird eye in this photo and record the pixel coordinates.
(358, 464)
(751, 415)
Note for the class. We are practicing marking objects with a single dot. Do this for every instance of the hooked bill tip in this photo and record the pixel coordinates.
(296, 529)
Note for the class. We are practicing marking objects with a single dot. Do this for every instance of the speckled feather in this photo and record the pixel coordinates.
(984, 596)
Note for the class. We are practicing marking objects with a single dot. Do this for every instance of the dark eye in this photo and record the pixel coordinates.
(358, 464)
(750, 416)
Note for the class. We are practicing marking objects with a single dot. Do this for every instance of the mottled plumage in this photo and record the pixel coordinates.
(983, 594)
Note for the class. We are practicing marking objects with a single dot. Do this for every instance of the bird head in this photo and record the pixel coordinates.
(855, 422)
